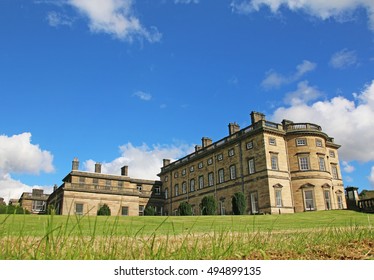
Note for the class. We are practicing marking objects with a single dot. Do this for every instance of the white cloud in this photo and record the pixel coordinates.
(115, 17)
(303, 94)
(18, 155)
(144, 162)
(347, 167)
(350, 122)
(143, 95)
(276, 80)
(56, 19)
(343, 59)
(318, 8)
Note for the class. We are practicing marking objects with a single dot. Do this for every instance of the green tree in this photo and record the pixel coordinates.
(104, 210)
(149, 211)
(11, 209)
(208, 205)
(185, 209)
(239, 204)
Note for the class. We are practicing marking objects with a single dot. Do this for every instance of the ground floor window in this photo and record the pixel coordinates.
(254, 202)
(222, 209)
(278, 198)
(38, 206)
(327, 200)
(125, 211)
(141, 210)
(79, 209)
(309, 200)
(340, 201)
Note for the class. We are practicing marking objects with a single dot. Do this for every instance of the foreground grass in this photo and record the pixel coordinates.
(315, 235)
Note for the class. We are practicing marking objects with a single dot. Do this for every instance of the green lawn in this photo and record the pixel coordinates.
(313, 235)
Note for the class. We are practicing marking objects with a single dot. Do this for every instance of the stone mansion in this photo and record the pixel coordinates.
(279, 167)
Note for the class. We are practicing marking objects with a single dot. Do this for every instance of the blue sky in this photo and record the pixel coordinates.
(132, 82)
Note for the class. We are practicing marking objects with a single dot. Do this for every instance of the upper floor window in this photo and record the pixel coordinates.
(334, 171)
(184, 187)
(210, 179)
(192, 168)
(322, 166)
(176, 190)
(251, 166)
(210, 161)
(166, 193)
(220, 157)
(192, 185)
(231, 152)
(200, 165)
(184, 172)
(176, 174)
(249, 145)
(201, 182)
(232, 172)
(332, 154)
(221, 176)
(274, 162)
(318, 143)
(272, 141)
(304, 162)
(157, 190)
(301, 142)
(166, 178)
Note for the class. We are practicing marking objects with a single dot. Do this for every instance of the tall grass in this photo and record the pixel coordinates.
(324, 235)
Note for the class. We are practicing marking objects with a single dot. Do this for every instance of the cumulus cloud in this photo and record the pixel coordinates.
(115, 17)
(371, 177)
(144, 162)
(303, 94)
(317, 8)
(56, 19)
(343, 59)
(143, 95)
(276, 80)
(347, 167)
(19, 155)
(350, 121)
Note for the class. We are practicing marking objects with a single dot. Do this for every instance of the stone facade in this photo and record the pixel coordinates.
(35, 202)
(84, 193)
(280, 168)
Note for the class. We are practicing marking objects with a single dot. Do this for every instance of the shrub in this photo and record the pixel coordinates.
(185, 209)
(11, 209)
(208, 205)
(149, 211)
(238, 204)
(104, 210)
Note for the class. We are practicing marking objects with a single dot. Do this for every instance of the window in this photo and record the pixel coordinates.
(210, 161)
(232, 172)
(274, 162)
(222, 209)
(184, 187)
(304, 162)
(301, 142)
(326, 194)
(201, 182)
(192, 168)
(332, 154)
(249, 145)
(79, 209)
(318, 143)
(251, 166)
(176, 190)
(210, 179)
(220, 157)
(340, 201)
(166, 178)
(308, 200)
(334, 171)
(139, 188)
(157, 190)
(231, 152)
(192, 185)
(107, 184)
(166, 193)
(254, 202)
(322, 166)
(38, 205)
(272, 141)
(141, 210)
(184, 172)
(124, 211)
(221, 176)
(278, 198)
(200, 165)
(176, 175)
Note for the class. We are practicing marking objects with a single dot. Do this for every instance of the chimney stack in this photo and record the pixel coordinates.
(205, 141)
(55, 187)
(256, 117)
(166, 162)
(233, 128)
(97, 167)
(75, 165)
(198, 148)
(125, 171)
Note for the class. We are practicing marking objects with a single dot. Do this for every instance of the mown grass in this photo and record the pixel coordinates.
(314, 235)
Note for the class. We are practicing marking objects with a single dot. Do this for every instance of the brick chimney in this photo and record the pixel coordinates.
(97, 167)
(233, 128)
(75, 164)
(205, 141)
(165, 162)
(125, 171)
(256, 117)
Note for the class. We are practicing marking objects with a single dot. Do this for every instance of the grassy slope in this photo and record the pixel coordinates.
(314, 235)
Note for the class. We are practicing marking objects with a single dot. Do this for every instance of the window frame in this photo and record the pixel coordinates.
(301, 142)
(251, 166)
(232, 172)
(221, 176)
